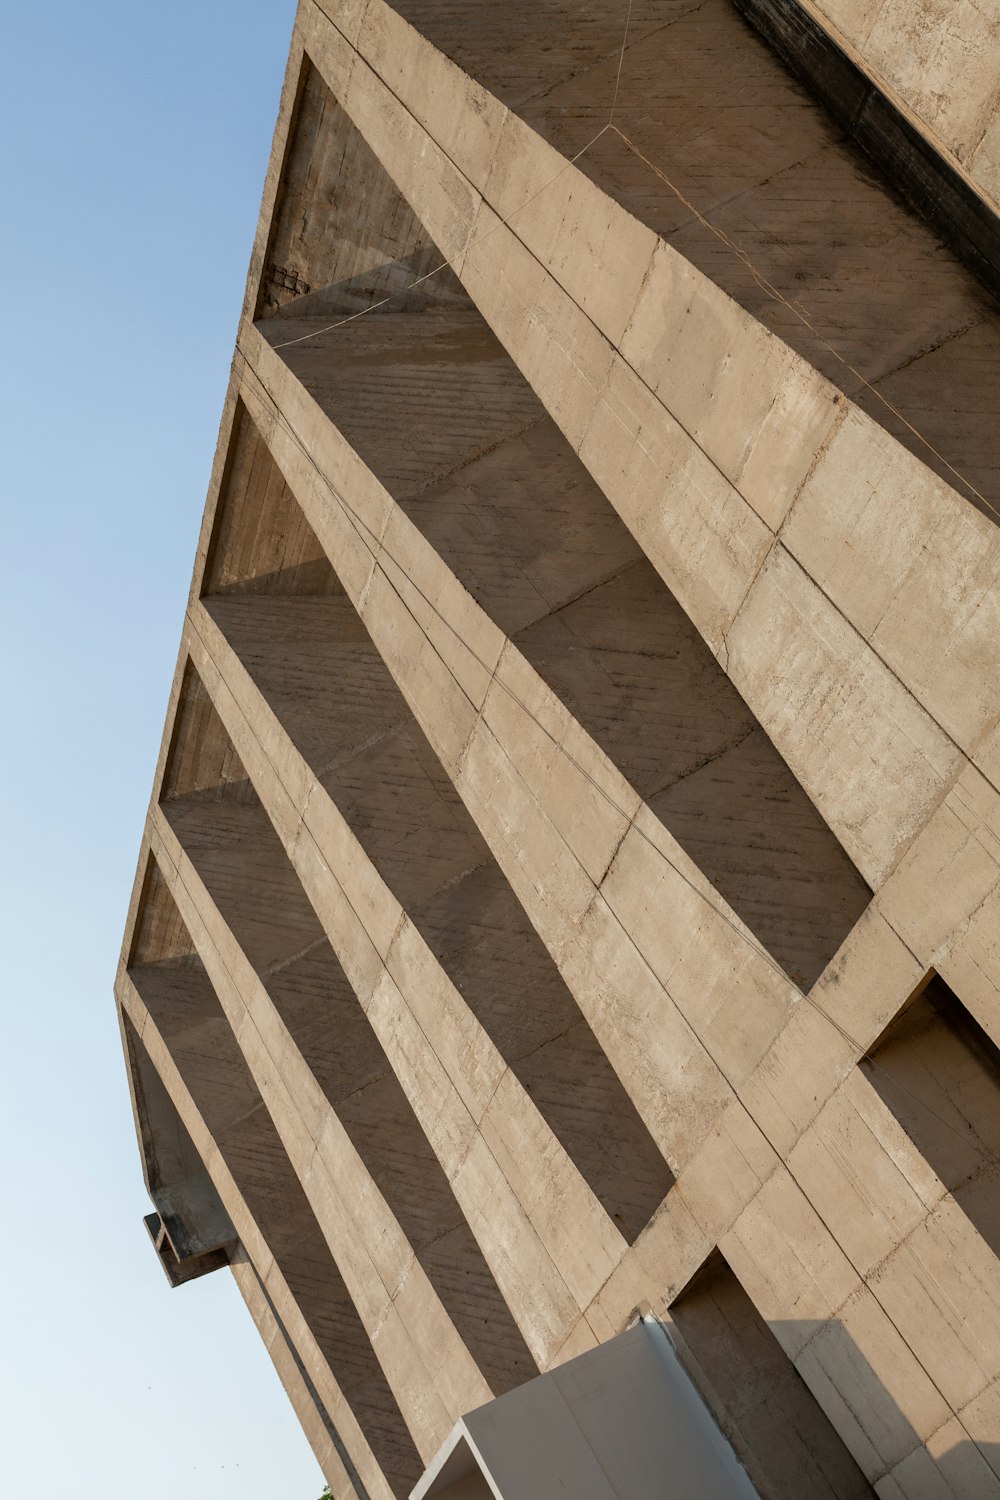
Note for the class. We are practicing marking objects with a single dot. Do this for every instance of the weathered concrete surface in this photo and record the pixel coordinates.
(558, 635)
(704, 99)
(713, 553)
(529, 535)
(940, 60)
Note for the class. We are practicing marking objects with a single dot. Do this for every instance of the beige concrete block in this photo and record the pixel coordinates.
(435, 89)
(804, 411)
(526, 169)
(581, 1341)
(867, 1381)
(596, 250)
(981, 1419)
(852, 18)
(914, 567)
(501, 274)
(358, 1199)
(942, 1290)
(986, 755)
(443, 1116)
(289, 1089)
(750, 404)
(600, 254)
(917, 1477)
(880, 1121)
(788, 1262)
(726, 1172)
(460, 633)
(375, 906)
(673, 1082)
(870, 758)
(455, 1374)
(517, 828)
(549, 904)
(657, 1267)
(331, 47)
(863, 515)
(681, 322)
(344, 15)
(437, 700)
(587, 800)
(734, 998)
(842, 1166)
(984, 164)
(543, 1306)
(465, 637)
(845, 992)
(941, 56)
(795, 1076)
(939, 633)
(461, 1045)
(943, 878)
(887, 1488)
(962, 1464)
(972, 966)
(440, 195)
(600, 1324)
(697, 531)
(358, 956)
(367, 1290)
(566, 359)
(424, 1411)
(565, 1214)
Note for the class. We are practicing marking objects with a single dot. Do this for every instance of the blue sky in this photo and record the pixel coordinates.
(136, 140)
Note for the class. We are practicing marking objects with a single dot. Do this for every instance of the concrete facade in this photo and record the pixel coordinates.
(570, 890)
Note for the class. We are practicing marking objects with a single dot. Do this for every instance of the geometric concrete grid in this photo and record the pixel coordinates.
(570, 890)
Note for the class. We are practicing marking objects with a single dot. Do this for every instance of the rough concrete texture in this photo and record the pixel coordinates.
(940, 60)
(571, 882)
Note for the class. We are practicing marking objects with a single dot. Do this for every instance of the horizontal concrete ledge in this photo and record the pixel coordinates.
(179, 1264)
(945, 197)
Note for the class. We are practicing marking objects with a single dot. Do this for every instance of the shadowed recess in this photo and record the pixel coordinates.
(705, 99)
(938, 1071)
(339, 218)
(778, 1429)
(251, 552)
(186, 1012)
(229, 838)
(160, 936)
(440, 413)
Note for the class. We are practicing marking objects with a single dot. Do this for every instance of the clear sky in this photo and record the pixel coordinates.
(135, 142)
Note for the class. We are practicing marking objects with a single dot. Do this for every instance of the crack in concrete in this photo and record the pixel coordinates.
(707, 760)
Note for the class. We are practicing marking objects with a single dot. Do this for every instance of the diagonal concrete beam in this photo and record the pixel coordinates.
(707, 488)
(521, 1193)
(400, 1309)
(675, 988)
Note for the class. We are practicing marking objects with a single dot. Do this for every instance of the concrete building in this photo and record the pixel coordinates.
(563, 975)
